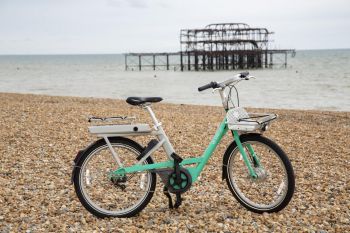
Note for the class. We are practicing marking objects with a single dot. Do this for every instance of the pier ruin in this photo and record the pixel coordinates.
(226, 46)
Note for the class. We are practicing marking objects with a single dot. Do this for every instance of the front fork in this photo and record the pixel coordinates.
(244, 155)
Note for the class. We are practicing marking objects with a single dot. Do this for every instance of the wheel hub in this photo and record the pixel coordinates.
(119, 182)
(261, 173)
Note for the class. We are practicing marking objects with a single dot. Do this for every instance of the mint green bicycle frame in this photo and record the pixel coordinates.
(199, 161)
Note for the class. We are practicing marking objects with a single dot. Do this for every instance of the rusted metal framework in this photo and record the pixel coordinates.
(224, 37)
(153, 61)
(225, 46)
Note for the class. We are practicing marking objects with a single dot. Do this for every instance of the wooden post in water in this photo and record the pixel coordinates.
(189, 61)
(249, 61)
(210, 62)
(140, 63)
(259, 57)
(181, 62)
(271, 60)
(285, 60)
(226, 61)
(167, 62)
(126, 61)
(154, 62)
(203, 61)
(233, 61)
(240, 61)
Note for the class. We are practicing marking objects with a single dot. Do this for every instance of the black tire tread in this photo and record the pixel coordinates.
(280, 153)
(76, 175)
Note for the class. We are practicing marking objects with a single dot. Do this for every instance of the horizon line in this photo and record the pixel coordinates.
(106, 53)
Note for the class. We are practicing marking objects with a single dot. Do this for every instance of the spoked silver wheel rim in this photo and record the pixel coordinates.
(100, 192)
(262, 193)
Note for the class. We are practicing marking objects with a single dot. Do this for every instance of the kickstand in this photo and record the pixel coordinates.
(178, 201)
(167, 194)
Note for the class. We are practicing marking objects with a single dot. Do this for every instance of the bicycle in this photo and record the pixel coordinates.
(116, 177)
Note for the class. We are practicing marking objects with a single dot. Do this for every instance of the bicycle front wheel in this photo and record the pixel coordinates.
(274, 187)
(104, 195)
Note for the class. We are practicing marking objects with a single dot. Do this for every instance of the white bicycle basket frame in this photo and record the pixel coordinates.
(239, 119)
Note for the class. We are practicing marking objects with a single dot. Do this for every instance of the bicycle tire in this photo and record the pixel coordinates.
(84, 199)
(283, 158)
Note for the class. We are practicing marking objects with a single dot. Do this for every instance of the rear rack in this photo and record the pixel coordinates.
(117, 126)
(123, 119)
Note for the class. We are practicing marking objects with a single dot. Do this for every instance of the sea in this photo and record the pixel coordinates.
(313, 80)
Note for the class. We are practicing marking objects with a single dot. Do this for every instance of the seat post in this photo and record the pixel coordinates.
(150, 111)
(160, 132)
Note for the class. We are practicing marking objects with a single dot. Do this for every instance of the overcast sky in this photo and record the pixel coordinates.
(117, 26)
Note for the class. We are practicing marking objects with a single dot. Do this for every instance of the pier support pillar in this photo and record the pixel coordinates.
(140, 65)
(233, 61)
(271, 60)
(285, 60)
(188, 61)
(154, 62)
(167, 62)
(226, 62)
(240, 62)
(203, 61)
(181, 62)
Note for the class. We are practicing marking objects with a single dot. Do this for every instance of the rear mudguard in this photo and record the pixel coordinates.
(231, 147)
(80, 154)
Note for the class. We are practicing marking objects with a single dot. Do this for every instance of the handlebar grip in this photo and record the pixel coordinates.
(207, 86)
(244, 74)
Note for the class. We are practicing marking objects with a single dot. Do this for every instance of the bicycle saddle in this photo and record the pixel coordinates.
(142, 100)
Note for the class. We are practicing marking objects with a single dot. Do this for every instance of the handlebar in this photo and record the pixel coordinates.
(207, 86)
(244, 75)
(238, 77)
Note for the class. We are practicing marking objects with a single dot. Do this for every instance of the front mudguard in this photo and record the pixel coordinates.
(230, 148)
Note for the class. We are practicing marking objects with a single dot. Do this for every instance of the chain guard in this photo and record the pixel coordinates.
(186, 181)
(166, 173)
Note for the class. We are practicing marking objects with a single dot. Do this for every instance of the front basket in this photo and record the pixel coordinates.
(239, 119)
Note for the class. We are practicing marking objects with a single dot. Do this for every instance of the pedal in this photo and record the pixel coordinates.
(149, 147)
(167, 194)
(176, 157)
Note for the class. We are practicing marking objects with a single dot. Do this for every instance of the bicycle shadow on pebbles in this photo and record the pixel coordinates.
(41, 136)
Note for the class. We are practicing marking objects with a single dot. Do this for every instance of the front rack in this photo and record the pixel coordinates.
(239, 119)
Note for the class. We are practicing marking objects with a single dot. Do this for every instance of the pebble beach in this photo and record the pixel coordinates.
(40, 136)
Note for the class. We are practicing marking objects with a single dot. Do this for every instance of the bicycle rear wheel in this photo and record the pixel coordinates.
(104, 195)
(274, 187)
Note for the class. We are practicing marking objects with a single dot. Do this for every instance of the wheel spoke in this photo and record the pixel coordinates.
(114, 196)
(267, 191)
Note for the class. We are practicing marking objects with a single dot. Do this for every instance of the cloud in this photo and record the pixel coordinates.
(140, 4)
